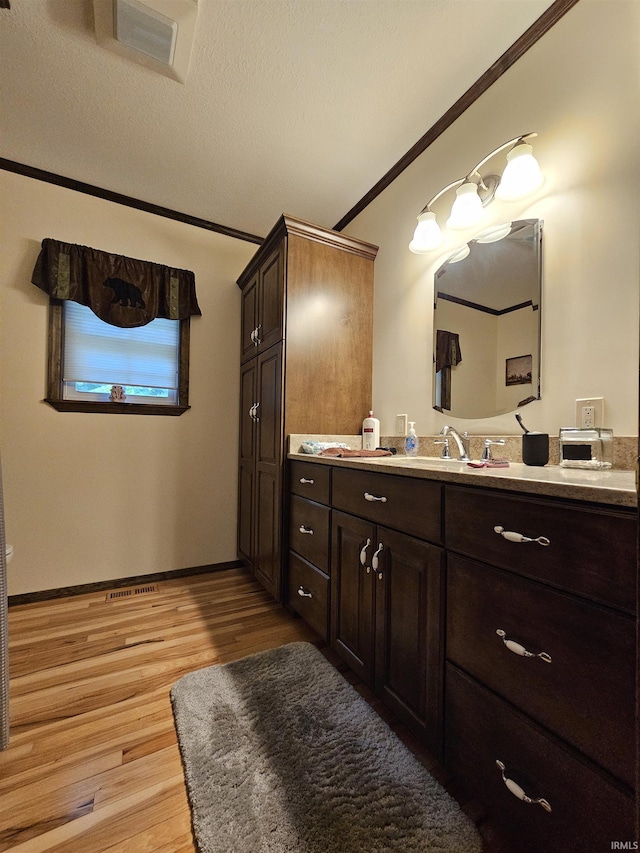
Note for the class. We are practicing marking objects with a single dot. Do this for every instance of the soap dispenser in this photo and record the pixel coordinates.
(411, 440)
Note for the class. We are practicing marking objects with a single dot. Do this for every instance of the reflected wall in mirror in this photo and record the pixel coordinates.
(486, 314)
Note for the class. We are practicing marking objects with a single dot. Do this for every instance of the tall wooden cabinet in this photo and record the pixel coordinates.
(306, 356)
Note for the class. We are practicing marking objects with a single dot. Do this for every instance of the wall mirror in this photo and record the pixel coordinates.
(487, 324)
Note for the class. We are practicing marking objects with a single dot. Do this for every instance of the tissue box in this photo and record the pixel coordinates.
(586, 448)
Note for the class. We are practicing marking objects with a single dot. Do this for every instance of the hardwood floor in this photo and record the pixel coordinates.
(93, 763)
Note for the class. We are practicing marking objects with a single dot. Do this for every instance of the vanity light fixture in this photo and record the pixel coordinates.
(521, 177)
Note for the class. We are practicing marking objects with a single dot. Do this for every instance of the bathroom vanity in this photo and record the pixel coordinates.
(494, 612)
(307, 310)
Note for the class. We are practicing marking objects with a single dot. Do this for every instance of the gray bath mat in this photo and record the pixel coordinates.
(281, 754)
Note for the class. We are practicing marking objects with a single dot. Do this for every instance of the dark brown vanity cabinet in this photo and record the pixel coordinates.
(309, 543)
(387, 593)
(540, 674)
(524, 681)
(307, 321)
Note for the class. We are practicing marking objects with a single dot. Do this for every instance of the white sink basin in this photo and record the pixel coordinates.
(426, 460)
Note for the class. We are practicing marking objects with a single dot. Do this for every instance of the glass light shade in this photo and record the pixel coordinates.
(427, 235)
(459, 255)
(467, 208)
(493, 234)
(522, 175)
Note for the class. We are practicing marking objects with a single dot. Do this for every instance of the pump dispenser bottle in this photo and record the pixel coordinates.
(411, 441)
(370, 432)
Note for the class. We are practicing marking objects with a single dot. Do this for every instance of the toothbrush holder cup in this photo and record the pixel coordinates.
(535, 448)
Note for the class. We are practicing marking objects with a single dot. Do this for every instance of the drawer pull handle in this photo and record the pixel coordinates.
(363, 556)
(369, 497)
(304, 529)
(306, 482)
(517, 649)
(304, 593)
(518, 792)
(375, 562)
(519, 537)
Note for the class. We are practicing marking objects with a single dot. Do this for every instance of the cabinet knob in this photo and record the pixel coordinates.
(255, 335)
(374, 560)
(519, 792)
(305, 481)
(304, 529)
(517, 649)
(369, 497)
(256, 406)
(304, 593)
(511, 536)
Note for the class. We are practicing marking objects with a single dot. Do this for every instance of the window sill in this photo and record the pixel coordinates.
(116, 408)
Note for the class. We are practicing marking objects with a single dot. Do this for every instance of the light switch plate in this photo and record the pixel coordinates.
(401, 424)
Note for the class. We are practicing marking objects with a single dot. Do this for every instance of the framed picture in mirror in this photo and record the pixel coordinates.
(518, 370)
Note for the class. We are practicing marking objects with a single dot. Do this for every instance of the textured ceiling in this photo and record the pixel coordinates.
(296, 106)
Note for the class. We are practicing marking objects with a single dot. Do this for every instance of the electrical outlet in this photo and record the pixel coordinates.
(401, 424)
(590, 412)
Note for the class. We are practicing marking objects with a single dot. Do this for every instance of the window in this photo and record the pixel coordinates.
(87, 356)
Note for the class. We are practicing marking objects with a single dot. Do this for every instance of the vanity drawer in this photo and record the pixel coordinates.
(592, 552)
(588, 812)
(585, 694)
(309, 594)
(309, 531)
(410, 505)
(311, 480)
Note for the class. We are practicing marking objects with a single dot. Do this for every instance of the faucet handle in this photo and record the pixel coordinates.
(486, 453)
(446, 451)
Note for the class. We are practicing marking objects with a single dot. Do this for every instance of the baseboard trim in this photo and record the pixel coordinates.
(100, 586)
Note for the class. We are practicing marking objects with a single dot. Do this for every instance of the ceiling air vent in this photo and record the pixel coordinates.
(157, 34)
(145, 30)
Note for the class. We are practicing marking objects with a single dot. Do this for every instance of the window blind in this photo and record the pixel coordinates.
(95, 351)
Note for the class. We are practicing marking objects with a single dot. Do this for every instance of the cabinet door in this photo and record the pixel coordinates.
(268, 488)
(249, 319)
(248, 399)
(271, 299)
(352, 593)
(409, 601)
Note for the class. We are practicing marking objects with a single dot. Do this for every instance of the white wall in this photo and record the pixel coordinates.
(579, 89)
(93, 497)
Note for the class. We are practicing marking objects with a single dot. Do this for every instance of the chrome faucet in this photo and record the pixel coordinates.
(487, 456)
(462, 441)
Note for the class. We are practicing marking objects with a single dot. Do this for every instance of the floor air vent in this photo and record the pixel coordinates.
(132, 592)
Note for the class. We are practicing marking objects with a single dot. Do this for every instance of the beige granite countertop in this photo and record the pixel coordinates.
(611, 487)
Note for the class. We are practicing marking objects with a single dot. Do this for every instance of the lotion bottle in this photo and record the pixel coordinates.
(411, 440)
(370, 432)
